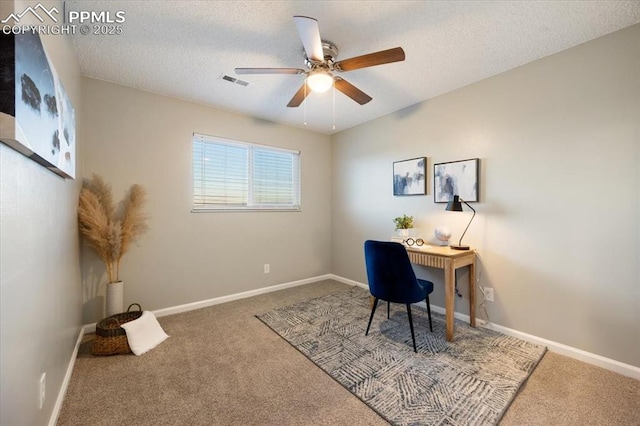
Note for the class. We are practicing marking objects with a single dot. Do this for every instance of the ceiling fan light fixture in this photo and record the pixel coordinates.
(320, 81)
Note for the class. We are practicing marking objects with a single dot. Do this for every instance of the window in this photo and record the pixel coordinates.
(229, 175)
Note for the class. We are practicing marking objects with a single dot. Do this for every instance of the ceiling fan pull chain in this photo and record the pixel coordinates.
(305, 104)
(334, 105)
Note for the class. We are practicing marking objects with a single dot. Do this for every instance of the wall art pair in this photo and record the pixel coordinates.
(449, 179)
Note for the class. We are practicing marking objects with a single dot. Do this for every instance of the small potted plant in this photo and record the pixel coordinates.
(403, 224)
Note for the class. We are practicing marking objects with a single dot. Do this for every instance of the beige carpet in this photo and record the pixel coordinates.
(222, 366)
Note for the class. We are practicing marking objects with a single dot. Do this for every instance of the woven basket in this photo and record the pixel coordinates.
(111, 338)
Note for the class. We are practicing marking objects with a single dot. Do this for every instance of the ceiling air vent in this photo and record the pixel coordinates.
(234, 80)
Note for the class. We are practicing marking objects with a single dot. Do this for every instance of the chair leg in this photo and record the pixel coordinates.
(373, 311)
(388, 304)
(413, 336)
(429, 312)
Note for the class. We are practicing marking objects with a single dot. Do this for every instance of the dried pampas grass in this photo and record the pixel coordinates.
(110, 231)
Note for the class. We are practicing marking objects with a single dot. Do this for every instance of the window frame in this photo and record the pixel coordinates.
(250, 207)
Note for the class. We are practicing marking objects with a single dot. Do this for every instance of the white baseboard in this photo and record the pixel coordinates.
(90, 328)
(65, 382)
(218, 300)
(348, 281)
(562, 349)
(579, 354)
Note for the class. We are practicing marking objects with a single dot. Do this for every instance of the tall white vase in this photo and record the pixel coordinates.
(115, 298)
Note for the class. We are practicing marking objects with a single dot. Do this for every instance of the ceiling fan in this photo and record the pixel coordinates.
(320, 59)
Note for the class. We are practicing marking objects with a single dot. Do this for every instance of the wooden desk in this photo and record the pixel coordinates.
(448, 259)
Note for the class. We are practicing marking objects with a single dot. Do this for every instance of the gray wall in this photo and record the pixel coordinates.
(557, 231)
(138, 137)
(41, 297)
(557, 228)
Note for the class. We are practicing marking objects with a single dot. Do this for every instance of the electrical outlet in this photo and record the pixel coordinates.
(267, 268)
(488, 294)
(42, 388)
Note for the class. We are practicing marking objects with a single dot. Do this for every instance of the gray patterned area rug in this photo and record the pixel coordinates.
(470, 381)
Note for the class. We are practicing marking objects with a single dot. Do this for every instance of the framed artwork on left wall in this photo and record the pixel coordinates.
(36, 115)
(409, 177)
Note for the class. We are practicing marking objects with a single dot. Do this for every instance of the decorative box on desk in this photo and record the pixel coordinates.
(448, 259)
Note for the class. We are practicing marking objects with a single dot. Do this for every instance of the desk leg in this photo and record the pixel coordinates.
(472, 294)
(449, 296)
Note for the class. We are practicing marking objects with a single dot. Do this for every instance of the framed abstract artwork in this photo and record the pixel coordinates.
(409, 177)
(456, 178)
(36, 115)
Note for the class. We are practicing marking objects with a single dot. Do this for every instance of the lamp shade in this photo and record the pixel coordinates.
(320, 81)
(454, 205)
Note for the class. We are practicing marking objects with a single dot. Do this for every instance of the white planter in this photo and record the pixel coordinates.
(115, 298)
(404, 232)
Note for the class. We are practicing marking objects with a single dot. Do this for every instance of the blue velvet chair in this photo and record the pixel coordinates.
(391, 278)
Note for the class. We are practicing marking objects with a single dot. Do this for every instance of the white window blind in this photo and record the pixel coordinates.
(229, 175)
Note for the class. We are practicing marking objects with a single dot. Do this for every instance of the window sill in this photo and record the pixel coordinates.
(206, 210)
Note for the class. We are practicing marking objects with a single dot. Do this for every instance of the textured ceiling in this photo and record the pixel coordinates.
(182, 48)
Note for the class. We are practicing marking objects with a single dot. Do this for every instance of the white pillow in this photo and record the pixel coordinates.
(144, 333)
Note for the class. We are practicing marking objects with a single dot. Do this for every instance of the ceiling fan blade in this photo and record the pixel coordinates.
(378, 58)
(300, 95)
(269, 71)
(351, 91)
(310, 35)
